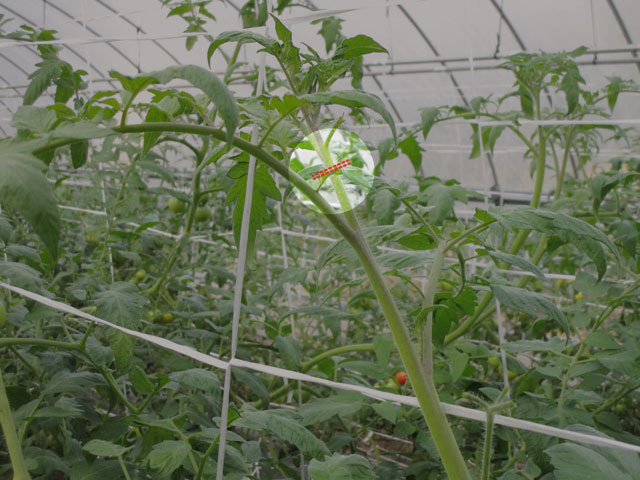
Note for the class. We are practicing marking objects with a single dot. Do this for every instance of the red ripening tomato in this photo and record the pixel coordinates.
(401, 377)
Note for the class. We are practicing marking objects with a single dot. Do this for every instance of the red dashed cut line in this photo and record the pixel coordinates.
(329, 170)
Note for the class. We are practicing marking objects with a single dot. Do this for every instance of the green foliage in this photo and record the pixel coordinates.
(25, 189)
(565, 228)
(322, 409)
(211, 85)
(341, 467)
(529, 303)
(88, 402)
(263, 187)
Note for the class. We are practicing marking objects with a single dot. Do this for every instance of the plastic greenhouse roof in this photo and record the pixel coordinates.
(441, 52)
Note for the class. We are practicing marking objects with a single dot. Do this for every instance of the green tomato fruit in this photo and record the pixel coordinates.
(203, 199)
(167, 317)
(391, 384)
(176, 205)
(446, 287)
(140, 275)
(3, 314)
(494, 361)
(202, 214)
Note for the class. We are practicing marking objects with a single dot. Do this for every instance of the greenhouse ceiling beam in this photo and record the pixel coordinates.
(623, 28)
(599, 51)
(374, 77)
(70, 49)
(510, 26)
(624, 61)
(94, 32)
(141, 30)
(421, 32)
(515, 34)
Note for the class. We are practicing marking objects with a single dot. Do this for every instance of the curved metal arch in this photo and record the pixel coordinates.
(70, 49)
(623, 28)
(454, 81)
(139, 29)
(521, 44)
(94, 32)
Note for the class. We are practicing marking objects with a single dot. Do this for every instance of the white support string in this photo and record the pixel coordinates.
(454, 410)
(90, 90)
(239, 286)
(503, 355)
(285, 262)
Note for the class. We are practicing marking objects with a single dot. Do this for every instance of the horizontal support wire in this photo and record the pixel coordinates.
(291, 233)
(454, 410)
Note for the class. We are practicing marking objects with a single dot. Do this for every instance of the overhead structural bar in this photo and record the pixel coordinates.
(141, 30)
(452, 77)
(70, 49)
(485, 58)
(394, 71)
(623, 28)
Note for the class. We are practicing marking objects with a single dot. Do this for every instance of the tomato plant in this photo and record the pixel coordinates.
(82, 400)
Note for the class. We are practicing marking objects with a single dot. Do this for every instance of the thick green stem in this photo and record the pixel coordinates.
(486, 451)
(563, 166)
(426, 331)
(424, 387)
(11, 438)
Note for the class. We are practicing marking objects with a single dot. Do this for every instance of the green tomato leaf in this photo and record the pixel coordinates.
(122, 305)
(285, 425)
(385, 204)
(387, 410)
(568, 229)
(341, 467)
(356, 99)
(253, 382)
(359, 45)
(530, 303)
(413, 150)
(575, 462)
(102, 448)
(198, 379)
(290, 351)
(79, 153)
(240, 37)
(211, 85)
(167, 456)
(322, 409)
(42, 78)
(428, 117)
(263, 186)
(25, 189)
(570, 85)
(21, 275)
(517, 261)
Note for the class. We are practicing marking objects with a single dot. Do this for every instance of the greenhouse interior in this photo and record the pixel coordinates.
(320, 240)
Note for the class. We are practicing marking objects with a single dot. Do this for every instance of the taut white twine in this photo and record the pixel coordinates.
(455, 410)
